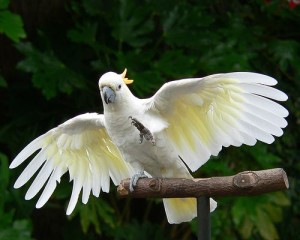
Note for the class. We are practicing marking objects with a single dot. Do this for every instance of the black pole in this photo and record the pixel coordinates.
(203, 214)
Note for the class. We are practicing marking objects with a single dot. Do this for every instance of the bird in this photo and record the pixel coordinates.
(169, 135)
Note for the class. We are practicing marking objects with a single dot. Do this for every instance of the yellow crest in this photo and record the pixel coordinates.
(125, 79)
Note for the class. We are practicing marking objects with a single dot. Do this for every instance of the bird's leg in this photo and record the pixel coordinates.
(144, 132)
(135, 178)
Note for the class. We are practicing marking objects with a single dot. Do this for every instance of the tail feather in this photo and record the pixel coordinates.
(183, 209)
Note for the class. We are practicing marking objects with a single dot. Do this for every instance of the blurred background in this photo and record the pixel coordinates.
(52, 54)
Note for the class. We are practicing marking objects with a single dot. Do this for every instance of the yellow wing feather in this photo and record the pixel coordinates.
(205, 114)
(80, 146)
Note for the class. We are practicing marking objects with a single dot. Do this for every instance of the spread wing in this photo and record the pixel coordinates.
(81, 146)
(207, 113)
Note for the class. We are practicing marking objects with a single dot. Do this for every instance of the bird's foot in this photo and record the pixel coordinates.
(144, 132)
(135, 178)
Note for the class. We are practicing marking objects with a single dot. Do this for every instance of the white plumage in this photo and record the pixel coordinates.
(191, 118)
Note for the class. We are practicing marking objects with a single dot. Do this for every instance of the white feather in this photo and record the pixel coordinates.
(265, 104)
(40, 180)
(256, 132)
(28, 150)
(262, 124)
(31, 168)
(105, 181)
(229, 125)
(96, 172)
(266, 115)
(193, 161)
(249, 77)
(77, 185)
(87, 187)
(51, 184)
(263, 90)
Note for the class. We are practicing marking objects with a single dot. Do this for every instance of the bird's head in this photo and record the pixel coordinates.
(113, 87)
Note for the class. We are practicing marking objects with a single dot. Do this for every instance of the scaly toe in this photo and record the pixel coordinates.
(134, 180)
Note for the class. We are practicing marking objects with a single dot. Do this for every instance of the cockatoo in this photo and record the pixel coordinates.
(174, 131)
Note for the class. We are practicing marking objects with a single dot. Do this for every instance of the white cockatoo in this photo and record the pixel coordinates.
(177, 129)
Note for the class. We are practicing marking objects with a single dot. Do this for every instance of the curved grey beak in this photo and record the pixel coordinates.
(108, 95)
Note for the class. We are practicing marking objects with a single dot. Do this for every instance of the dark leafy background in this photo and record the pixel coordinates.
(51, 56)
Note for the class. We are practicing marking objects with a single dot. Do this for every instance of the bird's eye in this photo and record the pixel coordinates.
(119, 86)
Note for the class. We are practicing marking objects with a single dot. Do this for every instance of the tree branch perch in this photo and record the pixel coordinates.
(241, 184)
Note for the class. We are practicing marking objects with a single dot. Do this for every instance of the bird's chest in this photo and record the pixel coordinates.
(127, 138)
(120, 126)
(121, 131)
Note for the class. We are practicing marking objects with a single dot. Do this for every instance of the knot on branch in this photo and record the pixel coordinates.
(155, 184)
(246, 180)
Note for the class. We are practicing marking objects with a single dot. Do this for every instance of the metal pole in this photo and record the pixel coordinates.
(203, 214)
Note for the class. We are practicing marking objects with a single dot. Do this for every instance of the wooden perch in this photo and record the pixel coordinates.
(244, 183)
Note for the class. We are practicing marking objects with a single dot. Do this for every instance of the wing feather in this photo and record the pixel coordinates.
(31, 168)
(206, 114)
(263, 90)
(51, 184)
(27, 151)
(264, 114)
(80, 146)
(40, 180)
(265, 104)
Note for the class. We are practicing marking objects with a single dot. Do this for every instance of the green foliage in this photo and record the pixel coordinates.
(96, 211)
(135, 230)
(260, 214)
(10, 227)
(49, 73)
(58, 67)
(132, 24)
(3, 83)
(10, 24)
(4, 4)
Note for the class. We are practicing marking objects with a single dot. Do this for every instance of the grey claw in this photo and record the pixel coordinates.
(134, 180)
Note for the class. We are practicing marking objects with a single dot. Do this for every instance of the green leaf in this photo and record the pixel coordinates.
(286, 52)
(133, 24)
(246, 228)
(11, 25)
(6, 218)
(265, 226)
(175, 64)
(93, 7)
(3, 82)
(275, 212)
(280, 199)
(50, 74)
(183, 23)
(4, 4)
(19, 230)
(84, 33)
(95, 212)
(4, 173)
(263, 156)
(105, 212)
(4, 182)
(257, 213)
(88, 216)
(146, 82)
